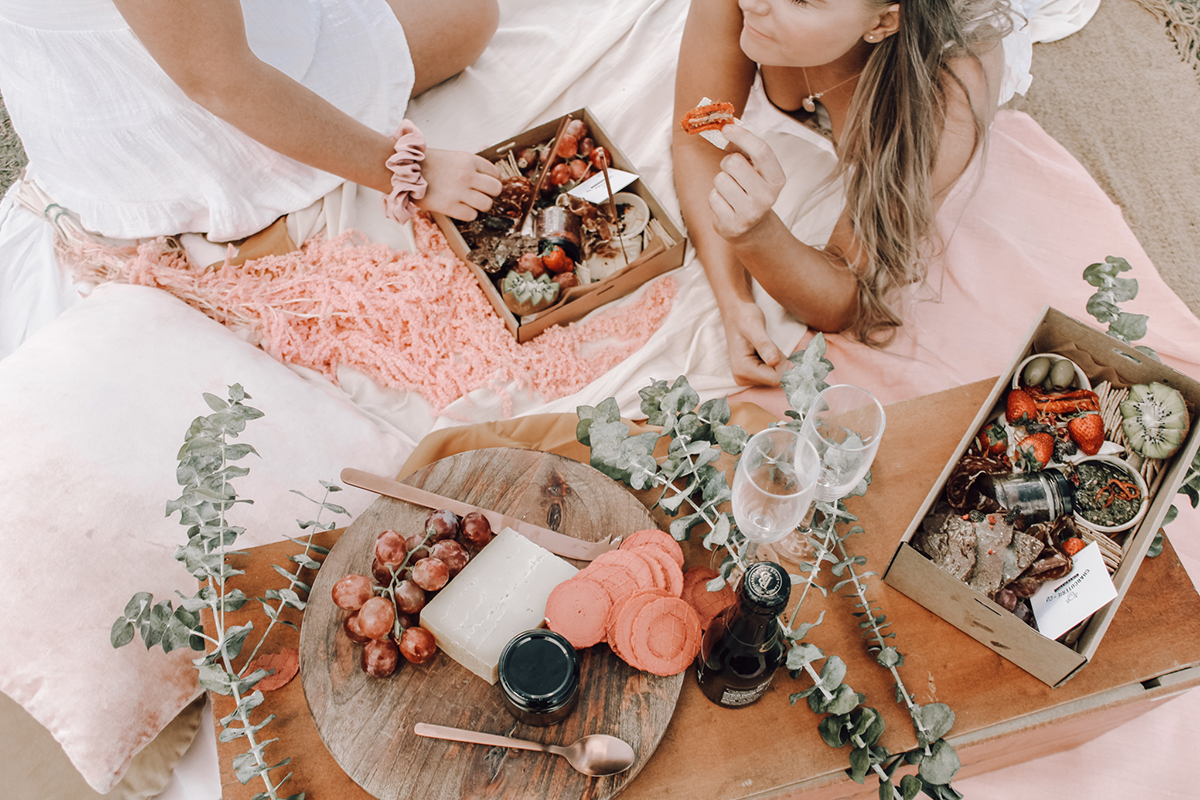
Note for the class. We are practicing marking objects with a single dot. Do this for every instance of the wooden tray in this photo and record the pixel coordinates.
(366, 723)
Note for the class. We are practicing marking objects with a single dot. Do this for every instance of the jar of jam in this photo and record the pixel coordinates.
(1041, 496)
(539, 677)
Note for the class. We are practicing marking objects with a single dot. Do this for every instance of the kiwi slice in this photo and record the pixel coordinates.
(1155, 419)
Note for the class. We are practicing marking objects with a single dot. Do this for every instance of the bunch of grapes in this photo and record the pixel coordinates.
(385, 606)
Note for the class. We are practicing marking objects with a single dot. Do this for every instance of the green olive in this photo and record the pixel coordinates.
(1036, 371)
(1062, 374)
(1047, 385)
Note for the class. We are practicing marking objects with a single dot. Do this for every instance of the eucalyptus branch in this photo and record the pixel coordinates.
(205, 471)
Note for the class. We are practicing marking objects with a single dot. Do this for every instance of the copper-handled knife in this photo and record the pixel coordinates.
(558, 543)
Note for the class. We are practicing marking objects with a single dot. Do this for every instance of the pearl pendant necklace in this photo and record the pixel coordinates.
(809, 103)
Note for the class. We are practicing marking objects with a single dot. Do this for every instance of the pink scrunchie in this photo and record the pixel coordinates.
(407, 183)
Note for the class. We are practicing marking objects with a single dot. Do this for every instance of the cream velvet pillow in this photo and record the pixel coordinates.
(93, 409)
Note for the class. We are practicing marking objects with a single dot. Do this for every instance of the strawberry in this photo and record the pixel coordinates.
(557, 260)
(993, 439)
(1035, 451)
(1088, 432)
(1020, 404)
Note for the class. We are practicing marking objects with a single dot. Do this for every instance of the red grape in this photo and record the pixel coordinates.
(527, 158)
(380, 657)
(353, 631)
(431, 574)
(390, 548)
(415, 548)
(376, 617)
(579, 167)
(382, 574)
(441, 524)
(476, 529)
(531, 263)
(577, 128)
(600, 158)
(407, 621)
(586, 146)
(560, 174)
(351, 591)
(418, 646)
(452, 555)
(410, 598)
(568, 146)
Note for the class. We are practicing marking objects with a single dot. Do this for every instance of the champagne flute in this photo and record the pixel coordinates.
(773, 486)
(845, 424)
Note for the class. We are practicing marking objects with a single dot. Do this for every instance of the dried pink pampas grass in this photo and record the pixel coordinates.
(415, 322)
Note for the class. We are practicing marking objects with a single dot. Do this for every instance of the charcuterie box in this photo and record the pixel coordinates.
(1053, 661)
(662, 243)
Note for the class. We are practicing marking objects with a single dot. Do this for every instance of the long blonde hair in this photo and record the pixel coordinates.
(890, 144)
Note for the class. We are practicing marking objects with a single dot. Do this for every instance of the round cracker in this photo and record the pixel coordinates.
(578, 609)
(658, 538)
(671, 574)
(621, 630)
(665, 636)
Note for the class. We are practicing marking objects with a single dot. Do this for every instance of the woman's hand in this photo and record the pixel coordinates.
(460, 185)
(747, 186)
(753, 358)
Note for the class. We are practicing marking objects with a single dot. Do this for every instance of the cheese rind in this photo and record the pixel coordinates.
(501, 592)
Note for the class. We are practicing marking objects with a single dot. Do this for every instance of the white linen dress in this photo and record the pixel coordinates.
(111, 137)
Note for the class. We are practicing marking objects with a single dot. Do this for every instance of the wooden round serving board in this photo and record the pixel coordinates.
(367, 722)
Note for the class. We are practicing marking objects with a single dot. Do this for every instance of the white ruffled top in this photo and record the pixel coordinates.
(112, 138)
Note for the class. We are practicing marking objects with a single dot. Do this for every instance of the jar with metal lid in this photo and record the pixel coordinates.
(1041, 496)
(539, 677)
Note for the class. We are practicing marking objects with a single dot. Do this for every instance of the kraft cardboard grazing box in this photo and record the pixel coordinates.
(1102, 358)
(663, 250)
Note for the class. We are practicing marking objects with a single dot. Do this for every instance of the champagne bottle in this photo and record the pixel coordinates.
(744, 645)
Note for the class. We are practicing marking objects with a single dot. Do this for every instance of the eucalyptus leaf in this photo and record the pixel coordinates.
(833, 672)
(937, 719)
(890, 657)
(121, 633)
(941, 765)
(860, 764)
(715, 411)
(731, 438)
(844, 701)
(833, 731)
(801, 654)
(910, 787)
(235, 637)
(1128, 327)
(246, 766)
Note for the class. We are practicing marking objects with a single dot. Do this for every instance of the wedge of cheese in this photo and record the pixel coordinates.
(500, 593)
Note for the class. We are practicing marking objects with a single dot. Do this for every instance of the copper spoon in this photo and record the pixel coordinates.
(596, 755)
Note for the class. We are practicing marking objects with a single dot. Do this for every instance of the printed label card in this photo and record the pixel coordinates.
(1062, 604)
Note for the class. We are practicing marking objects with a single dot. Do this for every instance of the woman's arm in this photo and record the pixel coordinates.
(202, 47)
(711, 63)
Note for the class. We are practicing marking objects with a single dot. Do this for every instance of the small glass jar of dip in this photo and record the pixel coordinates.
(539, 677)
(1041, 496)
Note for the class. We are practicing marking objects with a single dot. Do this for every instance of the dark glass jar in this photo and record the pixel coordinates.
(1041, 496)
(556, 225)
(539, 677)
(744, 645)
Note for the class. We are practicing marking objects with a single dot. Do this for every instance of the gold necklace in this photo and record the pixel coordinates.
(810, 103)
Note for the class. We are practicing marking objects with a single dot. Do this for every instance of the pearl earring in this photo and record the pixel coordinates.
(870, 37)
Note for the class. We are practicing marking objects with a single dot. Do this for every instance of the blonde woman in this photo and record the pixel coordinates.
(904, 91)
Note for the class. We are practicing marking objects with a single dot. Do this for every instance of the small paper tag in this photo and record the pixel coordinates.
(593, 189)
(1062, 604)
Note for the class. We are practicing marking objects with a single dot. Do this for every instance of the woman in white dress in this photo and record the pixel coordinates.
(147, 118)
(905, 91)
